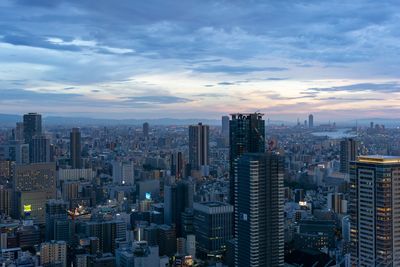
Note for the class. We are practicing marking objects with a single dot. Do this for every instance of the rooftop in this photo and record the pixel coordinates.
(379, 159)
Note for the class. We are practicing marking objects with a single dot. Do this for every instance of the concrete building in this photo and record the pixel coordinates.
(213, 228)
(374, 210)
(53, 253)
(259, 199)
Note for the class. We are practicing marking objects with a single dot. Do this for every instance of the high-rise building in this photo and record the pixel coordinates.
(39, 149)
(123, 172)
(32, 126)
(106, 232)
(213, 228)
(146, 129)
(374, 210)
(36, 177)
(33, 185)
(177, 198)
(15, 151)
(53, 253)
(166, 240)
(177, 165)
(75, 148)
(311, 121)
(225, 126)
(337, 203)
(259, 202)
(348, 153)
(56, 210)
(19, 132)
(246, 135)
(199, 147)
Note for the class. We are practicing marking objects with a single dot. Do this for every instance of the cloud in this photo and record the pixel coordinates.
(204, 44)
(389, 87)
(235, 69)
(157, 99)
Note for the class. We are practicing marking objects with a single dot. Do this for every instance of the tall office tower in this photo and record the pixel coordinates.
(75, 148)
(106, 232)
(337, 203)
(39, 149)
(259, 227)
(225, 126)
(53, 253)
(348, 153)
(70, 190)
(34, 184)
(374, 210)
(56, 210)
(19, 131)
(146, 129)
(246, 135)
(6, 200)
(199, 147)
(311, 121)
(15, 151)
(177, 165)
(213, 228)
(123, 172)
(32, 126)
(177, 198)
(166, 240)
(36, 177)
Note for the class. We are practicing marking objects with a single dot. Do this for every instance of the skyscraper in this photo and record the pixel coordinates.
(32, 126)
(348, 153)
(213, 228)
(374, 211)
(259, 227)
(199, 147)
(146, 128)
(311, 121)
(177, 165)
(39, 149)
(225, 126)
(246, 135)
(177, 198)
(19, 131)
(75, 148)
(56, 210)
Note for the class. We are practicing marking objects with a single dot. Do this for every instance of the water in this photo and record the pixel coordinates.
(340, 133)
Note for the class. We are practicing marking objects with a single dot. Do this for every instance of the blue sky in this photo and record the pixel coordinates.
(200, 59)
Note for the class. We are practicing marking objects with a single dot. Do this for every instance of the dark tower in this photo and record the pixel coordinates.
(259, 227)
(246, 135)
(75, 148)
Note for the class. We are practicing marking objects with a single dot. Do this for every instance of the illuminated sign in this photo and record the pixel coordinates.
(27, 208)
(148, 195)
(302, 203)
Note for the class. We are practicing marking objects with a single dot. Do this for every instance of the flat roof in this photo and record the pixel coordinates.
(379, 159)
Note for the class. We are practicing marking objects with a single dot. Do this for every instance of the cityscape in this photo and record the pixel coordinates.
(242, 193)
(212, 133)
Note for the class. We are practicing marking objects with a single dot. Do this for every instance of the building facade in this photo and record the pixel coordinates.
(259, 216)
(375, 211)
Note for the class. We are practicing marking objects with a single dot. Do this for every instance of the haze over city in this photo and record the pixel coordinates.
(200, 59)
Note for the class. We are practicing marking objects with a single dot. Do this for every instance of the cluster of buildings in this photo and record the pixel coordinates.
(248, 193)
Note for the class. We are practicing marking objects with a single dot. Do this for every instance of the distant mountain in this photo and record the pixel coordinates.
(10, 120)
(366, 122)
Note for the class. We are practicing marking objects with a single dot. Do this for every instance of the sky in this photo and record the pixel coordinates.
(201, 59)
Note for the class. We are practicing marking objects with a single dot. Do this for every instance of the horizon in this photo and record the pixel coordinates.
(200, 59)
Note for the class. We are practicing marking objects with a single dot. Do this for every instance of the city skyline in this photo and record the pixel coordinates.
(180, 60)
